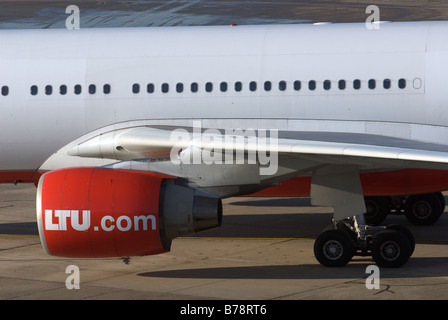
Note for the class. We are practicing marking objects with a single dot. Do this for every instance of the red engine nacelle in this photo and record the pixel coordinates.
(94, 212)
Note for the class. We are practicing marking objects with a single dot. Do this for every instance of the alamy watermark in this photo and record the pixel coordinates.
(73, 280)
(373, 280)
(73, 21)
(373, 20)
(234, 146)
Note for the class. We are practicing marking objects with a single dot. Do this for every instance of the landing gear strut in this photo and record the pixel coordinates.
(389, 246)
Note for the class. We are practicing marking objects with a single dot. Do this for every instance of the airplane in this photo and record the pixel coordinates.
(133, 136)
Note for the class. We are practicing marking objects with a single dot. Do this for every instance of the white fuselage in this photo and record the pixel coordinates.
(292, 77)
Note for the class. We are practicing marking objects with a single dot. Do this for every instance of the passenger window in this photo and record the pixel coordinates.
(341, 84)
(386, 83)
(194, 87)
(223, 86)
(92, 89)
(106, 89)
(238, 86)
(312, 85)
(209, 87)
(402, 83)
(252, 86)
(48, 90)
(135, 88)
(372, 84)
(150, 88)
(34, 90)
(357, 84)
(78, 89)
(267, 86)
(297, 85)
(63, 89)
(282, 85)
(165, 87)
(327, 84)
(5, 90)
(179, 87)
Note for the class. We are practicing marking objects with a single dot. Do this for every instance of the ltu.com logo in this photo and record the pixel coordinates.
(61, 220)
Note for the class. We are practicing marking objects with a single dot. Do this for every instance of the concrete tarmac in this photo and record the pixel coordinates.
(263, 251)
(42, 14)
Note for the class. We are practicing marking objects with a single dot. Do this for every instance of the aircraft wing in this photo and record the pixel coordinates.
(365, 151)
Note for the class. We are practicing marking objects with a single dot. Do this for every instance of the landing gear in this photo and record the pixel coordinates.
(421, 210)
(389, 246)
(339, 186)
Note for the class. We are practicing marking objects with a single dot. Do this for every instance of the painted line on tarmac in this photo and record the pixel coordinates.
(17, 236)
(243, 238)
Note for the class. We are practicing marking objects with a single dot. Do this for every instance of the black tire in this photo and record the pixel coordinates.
(390, 249)
(424, 209)
(441, 198)
(377, 209)
(407, 233)
(334, 248)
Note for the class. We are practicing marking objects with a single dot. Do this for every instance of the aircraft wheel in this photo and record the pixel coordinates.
(334, 248)
(390, 249)
(377, 209)
(424, 209)
(406, 232)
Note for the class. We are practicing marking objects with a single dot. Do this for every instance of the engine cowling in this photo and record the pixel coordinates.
(95, 212)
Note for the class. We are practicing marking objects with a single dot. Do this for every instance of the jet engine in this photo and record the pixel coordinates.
(96, 212)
